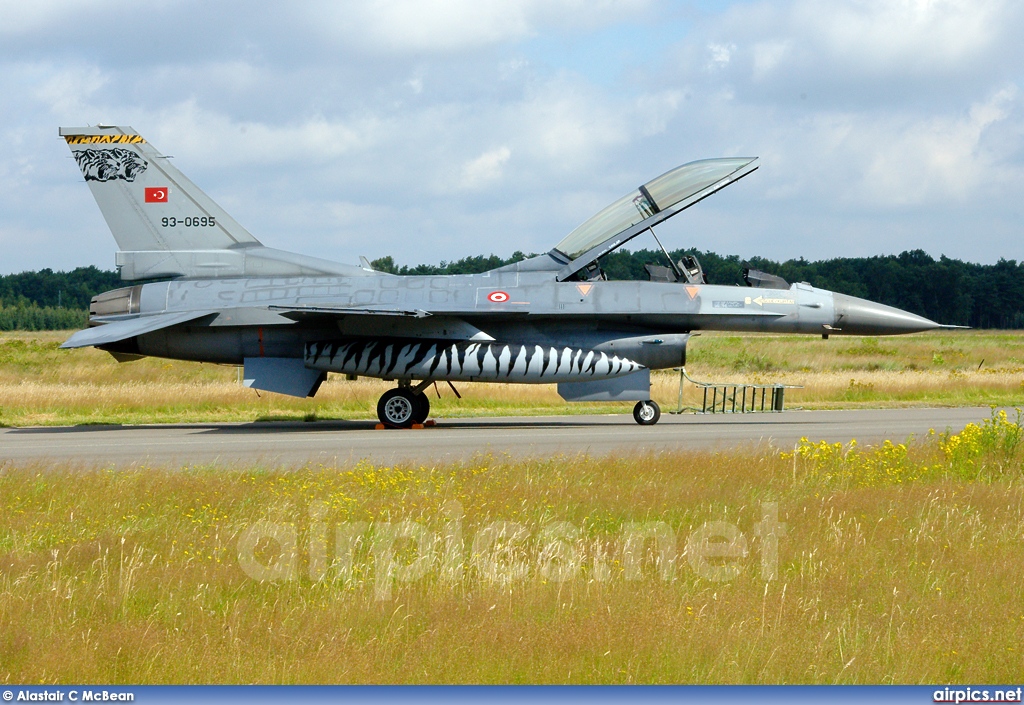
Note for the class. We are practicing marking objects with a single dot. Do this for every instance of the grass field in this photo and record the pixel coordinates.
(820, 564)
(40, 384)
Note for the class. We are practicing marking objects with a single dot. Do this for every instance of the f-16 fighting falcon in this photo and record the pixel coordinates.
(214, 293)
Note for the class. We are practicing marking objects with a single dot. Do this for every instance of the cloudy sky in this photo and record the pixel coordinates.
(431, 130)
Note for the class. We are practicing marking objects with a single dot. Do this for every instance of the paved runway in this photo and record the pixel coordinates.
(345, 442)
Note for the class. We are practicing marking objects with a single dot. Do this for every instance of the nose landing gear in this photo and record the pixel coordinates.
(646, 413)
(404, 406)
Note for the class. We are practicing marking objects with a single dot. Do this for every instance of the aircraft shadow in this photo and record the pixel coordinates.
(335, 426)
(332, 426)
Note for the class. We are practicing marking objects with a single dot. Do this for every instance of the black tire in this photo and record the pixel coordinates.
(646, 413)
(397, 408)
(422, 410)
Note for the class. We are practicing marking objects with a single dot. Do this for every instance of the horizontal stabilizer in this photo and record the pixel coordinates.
(122, 330)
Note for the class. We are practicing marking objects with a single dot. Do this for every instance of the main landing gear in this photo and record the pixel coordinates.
(647, 413)
(404, 406)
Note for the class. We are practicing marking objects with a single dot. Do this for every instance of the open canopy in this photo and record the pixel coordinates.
(655, 201)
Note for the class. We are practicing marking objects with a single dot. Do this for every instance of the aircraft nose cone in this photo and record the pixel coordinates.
(861, 317)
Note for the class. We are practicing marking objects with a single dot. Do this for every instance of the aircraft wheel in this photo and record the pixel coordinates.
(647, 413)
(422, 408)
(397, 407)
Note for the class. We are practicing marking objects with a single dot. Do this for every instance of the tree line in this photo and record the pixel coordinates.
(945, 290)
(48, 300)
(47, 288)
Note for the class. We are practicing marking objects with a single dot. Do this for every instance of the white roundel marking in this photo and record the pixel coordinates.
(498, 297)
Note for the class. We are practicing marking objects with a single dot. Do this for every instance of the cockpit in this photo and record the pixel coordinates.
(639, 211)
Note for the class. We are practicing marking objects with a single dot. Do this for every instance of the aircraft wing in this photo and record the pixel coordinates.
(122, 330)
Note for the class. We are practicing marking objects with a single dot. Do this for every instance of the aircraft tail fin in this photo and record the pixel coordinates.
(164, 225)
(146, 201)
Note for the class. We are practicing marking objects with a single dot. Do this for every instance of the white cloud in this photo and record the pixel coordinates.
(409, 26)
(22, 17)
(882, 34)
(768, 56)
(410, 128)
(66, 91)
(720, 54)
(869, 44)
(933, 161)
(875, 160)
(566, 126)
(485, 168)
(568, 131)
(210, 138)
(446, 26)
(652, 113)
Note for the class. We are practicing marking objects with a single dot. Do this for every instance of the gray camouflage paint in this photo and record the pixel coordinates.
(634, 320)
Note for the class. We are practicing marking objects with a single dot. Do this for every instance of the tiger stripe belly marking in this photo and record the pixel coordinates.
(465, 360)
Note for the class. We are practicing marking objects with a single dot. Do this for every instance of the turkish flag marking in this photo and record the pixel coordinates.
(157, 194)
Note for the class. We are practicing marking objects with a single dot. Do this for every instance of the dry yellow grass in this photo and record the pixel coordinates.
(40, 384)
(895, 565)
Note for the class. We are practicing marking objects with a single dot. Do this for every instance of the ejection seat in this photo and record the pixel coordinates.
(687, 270)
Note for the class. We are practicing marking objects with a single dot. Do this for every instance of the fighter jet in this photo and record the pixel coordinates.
(211, 292)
